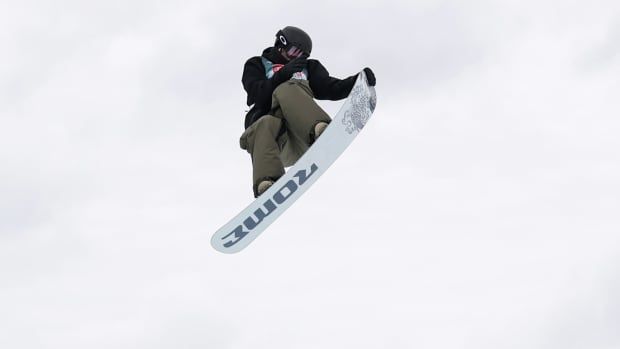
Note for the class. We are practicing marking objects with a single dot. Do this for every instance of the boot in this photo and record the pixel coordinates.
(319, 128)
(263, 186)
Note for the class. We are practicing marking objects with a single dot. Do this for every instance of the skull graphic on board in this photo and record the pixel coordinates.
(361, 109)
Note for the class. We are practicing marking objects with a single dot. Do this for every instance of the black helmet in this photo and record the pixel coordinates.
(294, 37)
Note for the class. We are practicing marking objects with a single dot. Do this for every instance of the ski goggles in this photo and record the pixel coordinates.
(294, 52)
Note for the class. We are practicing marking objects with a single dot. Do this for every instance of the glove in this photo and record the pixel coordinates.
(370, 76)
(296, 65)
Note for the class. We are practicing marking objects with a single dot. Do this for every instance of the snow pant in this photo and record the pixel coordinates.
(279, 138)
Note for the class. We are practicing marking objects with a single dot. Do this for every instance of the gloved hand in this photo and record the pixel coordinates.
(296, 65)
(371, 76)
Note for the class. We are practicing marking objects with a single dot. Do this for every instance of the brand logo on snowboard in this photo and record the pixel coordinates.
(279, 198)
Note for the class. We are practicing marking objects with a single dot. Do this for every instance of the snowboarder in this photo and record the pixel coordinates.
(284, 119)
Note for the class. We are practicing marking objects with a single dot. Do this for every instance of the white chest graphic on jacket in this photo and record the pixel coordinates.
(271, 69)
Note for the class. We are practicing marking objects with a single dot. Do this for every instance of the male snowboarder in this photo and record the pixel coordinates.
(284, 119)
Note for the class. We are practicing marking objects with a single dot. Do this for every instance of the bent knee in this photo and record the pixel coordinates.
(266, 121)
(267, 124)
(287, 85)
(290, 87)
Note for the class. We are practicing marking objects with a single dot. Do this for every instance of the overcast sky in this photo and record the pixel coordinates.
(479, 208)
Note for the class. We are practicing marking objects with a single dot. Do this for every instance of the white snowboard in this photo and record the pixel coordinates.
(247, 225)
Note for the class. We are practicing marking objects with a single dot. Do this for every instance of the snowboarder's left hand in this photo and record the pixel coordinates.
(371, 76)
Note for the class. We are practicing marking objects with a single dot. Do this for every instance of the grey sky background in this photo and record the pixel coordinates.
(478, 209)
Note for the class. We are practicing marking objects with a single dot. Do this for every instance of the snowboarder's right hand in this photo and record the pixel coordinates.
(296, 65)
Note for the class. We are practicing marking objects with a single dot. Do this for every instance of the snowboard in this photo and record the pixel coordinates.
(357, 109)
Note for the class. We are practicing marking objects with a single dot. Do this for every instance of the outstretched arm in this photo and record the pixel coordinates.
(327, 87)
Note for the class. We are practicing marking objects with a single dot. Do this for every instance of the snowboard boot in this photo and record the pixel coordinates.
(319, 128)
(263, 186)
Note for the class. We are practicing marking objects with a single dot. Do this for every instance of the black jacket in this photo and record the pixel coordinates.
(260, 88)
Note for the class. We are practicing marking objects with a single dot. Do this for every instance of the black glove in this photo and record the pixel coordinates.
(296, 65)
(370, 76)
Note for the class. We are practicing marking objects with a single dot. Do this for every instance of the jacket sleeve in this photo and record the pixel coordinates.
(327, 87)
(256, 84)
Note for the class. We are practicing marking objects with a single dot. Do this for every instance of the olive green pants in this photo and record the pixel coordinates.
(281, 137)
